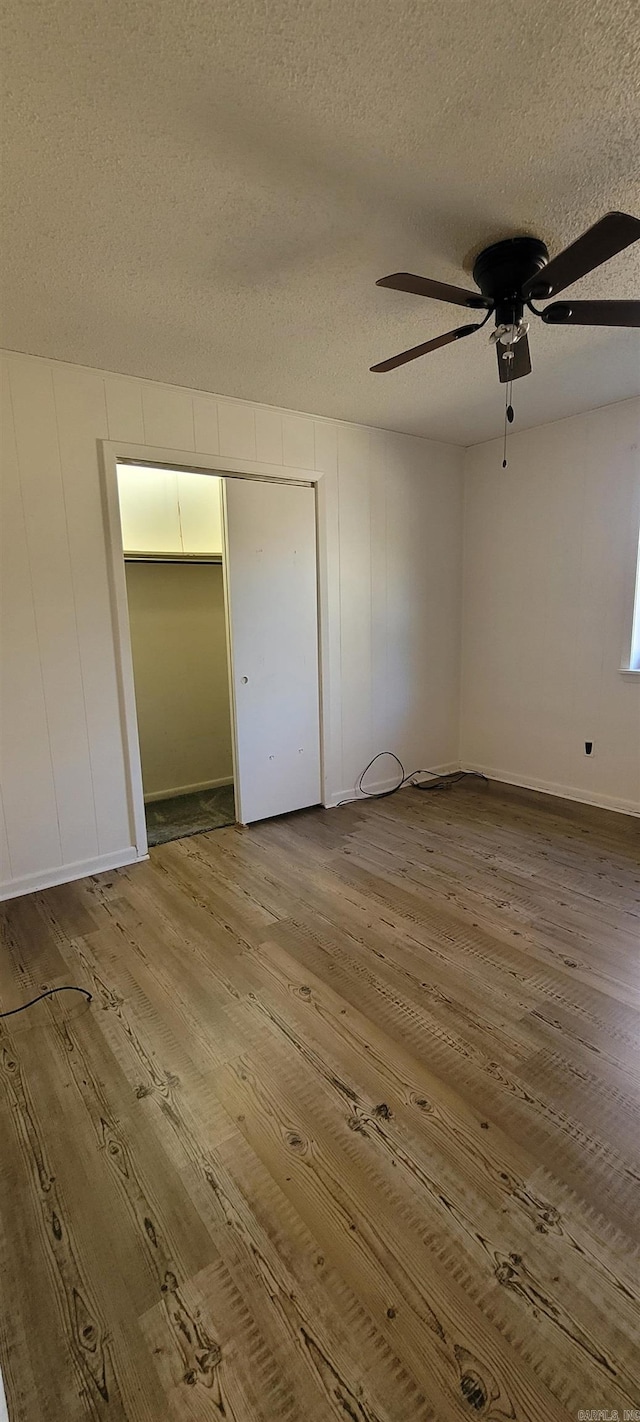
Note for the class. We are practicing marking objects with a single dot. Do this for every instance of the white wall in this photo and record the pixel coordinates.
(391, 521)
(550, 550)
(179, 648)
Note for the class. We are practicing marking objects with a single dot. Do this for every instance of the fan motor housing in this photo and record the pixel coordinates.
(502, 270)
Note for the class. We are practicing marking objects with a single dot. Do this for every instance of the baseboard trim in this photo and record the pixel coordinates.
(562, 792)
(378, 787)
(65, 873)
(176, 790)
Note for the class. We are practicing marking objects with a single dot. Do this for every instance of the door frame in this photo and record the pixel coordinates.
(114, 452)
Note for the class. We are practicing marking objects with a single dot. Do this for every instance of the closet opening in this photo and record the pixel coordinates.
(171, 522)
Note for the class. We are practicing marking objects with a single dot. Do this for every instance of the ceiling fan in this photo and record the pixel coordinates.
(511, 275)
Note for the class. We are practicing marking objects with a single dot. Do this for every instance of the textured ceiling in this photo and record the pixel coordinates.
(205, 193)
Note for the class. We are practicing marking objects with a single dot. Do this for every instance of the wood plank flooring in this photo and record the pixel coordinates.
(349, 1132)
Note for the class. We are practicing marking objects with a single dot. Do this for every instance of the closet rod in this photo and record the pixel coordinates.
(184, 558)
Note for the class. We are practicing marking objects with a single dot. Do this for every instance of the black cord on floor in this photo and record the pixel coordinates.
(439, 782)
(42, 995)
(444, 781)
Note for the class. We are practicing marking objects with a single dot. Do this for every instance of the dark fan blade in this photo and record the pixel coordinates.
(422, 286)
(592, 313)
(425, 348)
(610, 235)
(521, 363)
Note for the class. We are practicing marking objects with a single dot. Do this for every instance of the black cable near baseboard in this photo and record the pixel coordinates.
(439, 781)
(444, 782)
(376, 794)
(50, 992)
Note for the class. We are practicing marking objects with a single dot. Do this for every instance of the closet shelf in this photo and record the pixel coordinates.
(134, 557)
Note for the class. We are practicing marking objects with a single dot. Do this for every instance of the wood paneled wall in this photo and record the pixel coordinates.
(551, 548)
(392, 516)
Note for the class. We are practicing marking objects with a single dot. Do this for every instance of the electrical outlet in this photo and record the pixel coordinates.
(589, 749)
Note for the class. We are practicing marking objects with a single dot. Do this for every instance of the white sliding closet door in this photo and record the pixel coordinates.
(273, 645)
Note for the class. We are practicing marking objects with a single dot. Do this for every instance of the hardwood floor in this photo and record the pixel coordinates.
(350, 1129)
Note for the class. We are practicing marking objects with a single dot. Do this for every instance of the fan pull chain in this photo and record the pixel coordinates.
(508, 411)
(508, 396)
